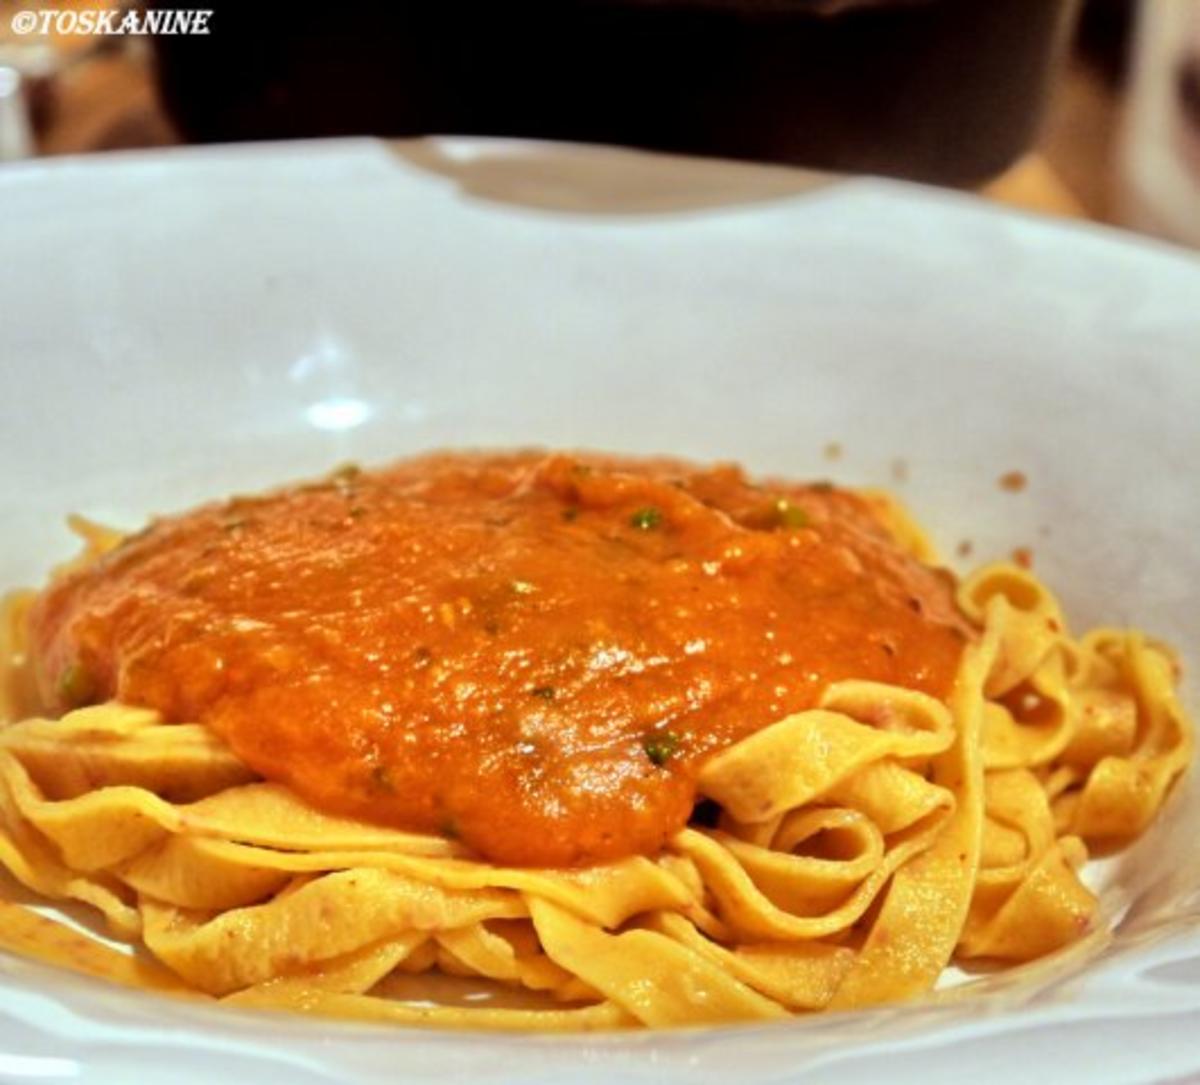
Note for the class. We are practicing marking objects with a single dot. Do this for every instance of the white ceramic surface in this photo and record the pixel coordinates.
(177, 326)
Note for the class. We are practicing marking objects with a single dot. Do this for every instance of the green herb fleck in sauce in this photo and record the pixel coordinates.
(647, 519)
(790, 516)
(660, 746)
(381, 779)
(76, 686)
(347, 472)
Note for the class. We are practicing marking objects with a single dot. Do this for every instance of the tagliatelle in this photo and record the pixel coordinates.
(861, 846)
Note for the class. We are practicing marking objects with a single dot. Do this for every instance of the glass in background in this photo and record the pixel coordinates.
(26, 61)
(1159, 157)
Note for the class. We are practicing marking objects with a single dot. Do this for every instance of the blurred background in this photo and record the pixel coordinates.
(1084, 108)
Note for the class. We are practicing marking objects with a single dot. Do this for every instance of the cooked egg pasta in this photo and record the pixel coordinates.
(861, 846)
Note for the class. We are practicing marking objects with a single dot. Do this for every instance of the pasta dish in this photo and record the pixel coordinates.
(622, 742)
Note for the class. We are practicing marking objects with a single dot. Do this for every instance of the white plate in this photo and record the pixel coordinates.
(176, 326)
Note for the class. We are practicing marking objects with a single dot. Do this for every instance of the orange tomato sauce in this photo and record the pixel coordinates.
(530, 652)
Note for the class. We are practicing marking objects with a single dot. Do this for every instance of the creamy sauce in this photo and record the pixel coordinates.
(530, 652)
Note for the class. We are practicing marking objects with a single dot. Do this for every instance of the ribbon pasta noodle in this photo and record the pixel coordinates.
(860, 847)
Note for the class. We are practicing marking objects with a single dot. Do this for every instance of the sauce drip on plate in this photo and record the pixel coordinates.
(531, 652)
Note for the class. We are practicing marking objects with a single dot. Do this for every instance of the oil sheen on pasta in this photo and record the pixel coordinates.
(532, 652)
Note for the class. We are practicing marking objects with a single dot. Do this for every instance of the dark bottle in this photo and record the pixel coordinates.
(939, 90)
